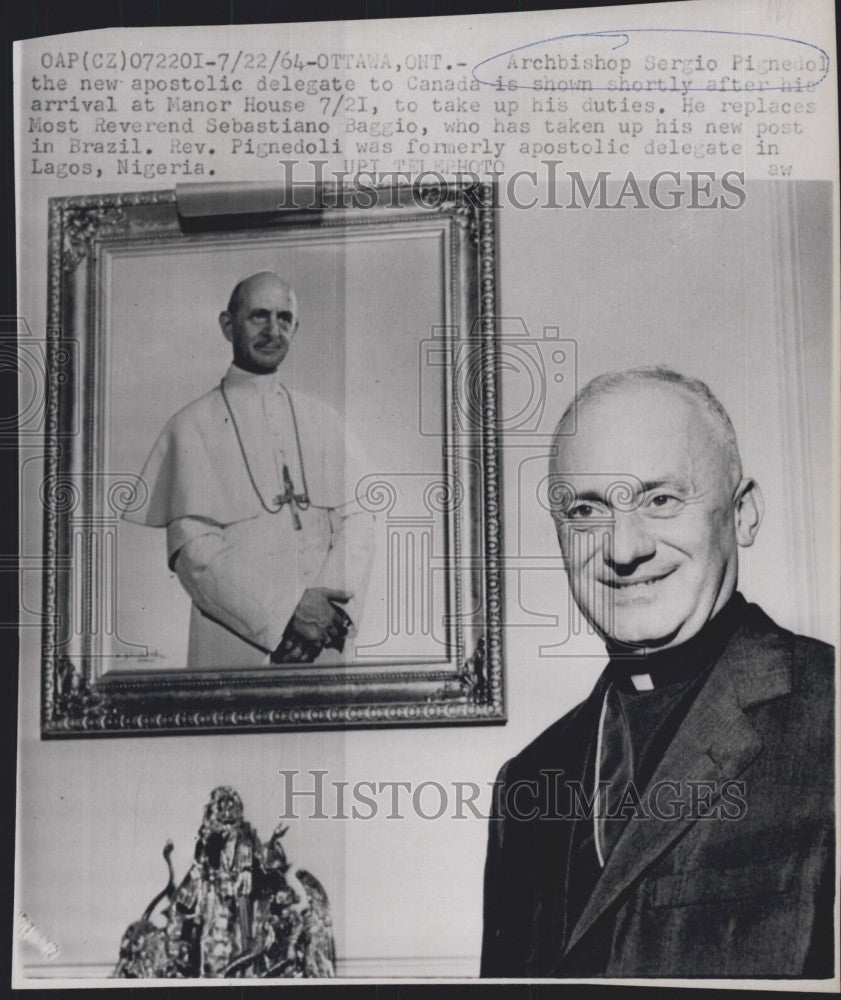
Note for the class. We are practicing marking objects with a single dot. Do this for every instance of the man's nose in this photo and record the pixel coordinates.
(629, 542)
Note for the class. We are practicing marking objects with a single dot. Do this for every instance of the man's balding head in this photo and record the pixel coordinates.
(251, 281)
(708, 406)
(650, 504)
(260, 321)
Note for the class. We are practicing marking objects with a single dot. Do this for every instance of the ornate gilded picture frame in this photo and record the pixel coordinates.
(395, 291)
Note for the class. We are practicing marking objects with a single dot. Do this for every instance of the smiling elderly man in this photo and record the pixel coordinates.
(680, 821)
(256, 491)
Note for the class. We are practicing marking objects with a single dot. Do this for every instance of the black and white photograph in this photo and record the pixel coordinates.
(429, 475)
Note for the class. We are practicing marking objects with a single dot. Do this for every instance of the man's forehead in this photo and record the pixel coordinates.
(267, 287)
(648, 431)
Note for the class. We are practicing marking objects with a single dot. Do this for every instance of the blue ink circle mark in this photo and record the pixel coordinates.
(624, 38)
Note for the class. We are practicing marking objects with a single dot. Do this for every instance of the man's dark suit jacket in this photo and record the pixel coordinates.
(707, 897)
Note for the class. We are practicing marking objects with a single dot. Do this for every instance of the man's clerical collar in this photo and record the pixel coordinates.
(645, 672)
(237, 377)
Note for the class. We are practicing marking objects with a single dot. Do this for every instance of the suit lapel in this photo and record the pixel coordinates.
(546, 845)
(584, 740)
(715, 742)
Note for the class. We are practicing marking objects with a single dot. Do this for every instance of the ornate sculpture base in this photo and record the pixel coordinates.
(238, 912)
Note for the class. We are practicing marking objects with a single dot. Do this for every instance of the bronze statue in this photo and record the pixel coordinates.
(239, 912)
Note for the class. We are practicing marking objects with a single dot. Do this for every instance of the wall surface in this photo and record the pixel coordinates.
(695, 290)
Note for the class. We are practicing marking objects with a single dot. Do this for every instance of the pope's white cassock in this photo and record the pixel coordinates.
(215, 476)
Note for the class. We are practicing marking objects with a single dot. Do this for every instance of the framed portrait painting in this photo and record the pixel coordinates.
(271, 496)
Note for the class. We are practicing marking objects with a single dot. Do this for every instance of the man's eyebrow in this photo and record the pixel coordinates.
(672, 482)
(636, 488)
(589, 495)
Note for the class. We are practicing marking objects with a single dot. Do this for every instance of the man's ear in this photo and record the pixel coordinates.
(226, 326)
(748, 508)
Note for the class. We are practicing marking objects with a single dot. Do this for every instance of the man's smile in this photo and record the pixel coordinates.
(631, 585)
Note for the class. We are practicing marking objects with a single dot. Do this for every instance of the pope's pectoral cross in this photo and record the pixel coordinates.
(299, 500)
